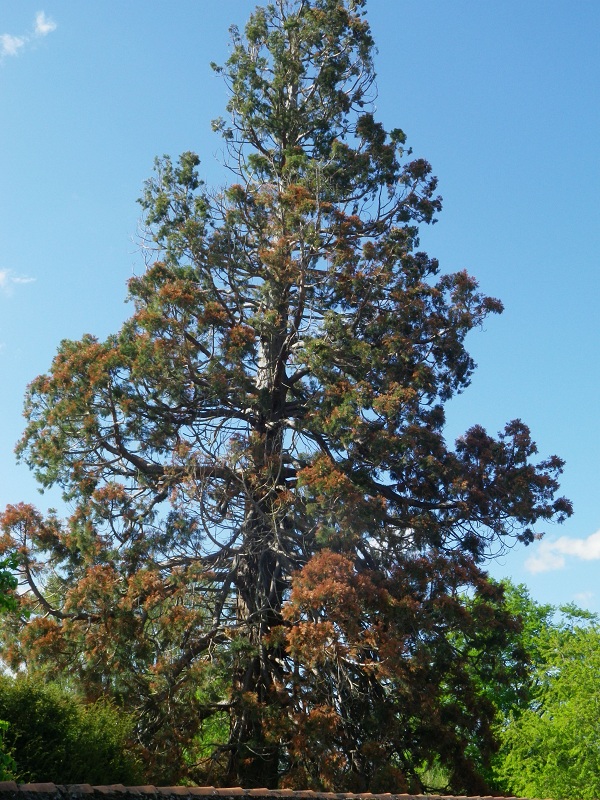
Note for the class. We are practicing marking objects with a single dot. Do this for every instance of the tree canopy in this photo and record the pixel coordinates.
(271, 538)
(549, 743)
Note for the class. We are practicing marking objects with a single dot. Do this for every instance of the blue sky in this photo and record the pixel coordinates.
(501, 98)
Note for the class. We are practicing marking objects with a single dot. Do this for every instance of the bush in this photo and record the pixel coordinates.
(7, 762)
(54, 737)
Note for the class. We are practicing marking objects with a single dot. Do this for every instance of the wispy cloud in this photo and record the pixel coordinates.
(43, 24)
(553, 555)
(11, 45)
(8, 280)
(584, 598)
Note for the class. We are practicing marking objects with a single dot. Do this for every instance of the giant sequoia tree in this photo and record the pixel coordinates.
(270, 535)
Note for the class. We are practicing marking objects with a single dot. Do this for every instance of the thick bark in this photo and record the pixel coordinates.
(260, 585)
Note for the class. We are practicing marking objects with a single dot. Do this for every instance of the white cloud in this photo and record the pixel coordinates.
(11, 45)
(22, 279)
(552, 555)
(8, 280)
(544, 560)
(584, 598)
(43, 24)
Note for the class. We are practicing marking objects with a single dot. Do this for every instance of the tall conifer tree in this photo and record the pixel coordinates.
(270, 535)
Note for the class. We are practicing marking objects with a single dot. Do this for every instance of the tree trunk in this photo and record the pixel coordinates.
(254, 761)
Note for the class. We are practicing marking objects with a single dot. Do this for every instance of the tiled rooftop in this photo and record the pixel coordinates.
(51, 791)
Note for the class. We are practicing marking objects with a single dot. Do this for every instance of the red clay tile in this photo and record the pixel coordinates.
(76, 791)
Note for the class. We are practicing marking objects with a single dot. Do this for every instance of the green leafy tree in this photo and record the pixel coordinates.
(273, 412)
(536, 619)
(550, 747)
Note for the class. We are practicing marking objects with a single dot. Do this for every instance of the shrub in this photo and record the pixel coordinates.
(54, 737)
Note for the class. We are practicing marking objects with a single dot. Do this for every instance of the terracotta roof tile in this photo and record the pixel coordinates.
(9, 790)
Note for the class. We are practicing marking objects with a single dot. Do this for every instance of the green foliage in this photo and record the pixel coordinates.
(8, 766)
(550, 745)
(51, 736)
(8, 583)
(203, 756)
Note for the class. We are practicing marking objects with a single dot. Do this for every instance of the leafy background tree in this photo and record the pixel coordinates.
(262, 493)
(550, 743)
